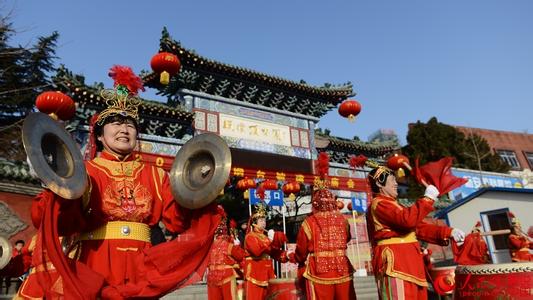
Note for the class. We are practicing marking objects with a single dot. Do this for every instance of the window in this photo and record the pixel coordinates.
(509, 157)
(529, 157)
(498, 221)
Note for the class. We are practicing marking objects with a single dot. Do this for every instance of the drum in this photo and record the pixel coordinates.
(284, 289)
(443, 279)
(496, 281)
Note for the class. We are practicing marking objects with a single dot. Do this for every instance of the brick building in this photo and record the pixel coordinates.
(515, 148)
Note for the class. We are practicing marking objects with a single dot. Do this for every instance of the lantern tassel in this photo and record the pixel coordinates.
(164, 78)
(351, 118)
(292, 197)
(400, 173)
(247, 194)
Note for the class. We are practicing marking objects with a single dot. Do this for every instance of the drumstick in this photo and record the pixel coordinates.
(496, 232)
(406, 165)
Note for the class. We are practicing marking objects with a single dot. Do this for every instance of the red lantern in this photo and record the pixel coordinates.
(340, 204)
(291, 188)
(245, 183)
(397, 161)
(56, 104)
(349, 206)
(166, 64)
(270, 184)
(350, 109)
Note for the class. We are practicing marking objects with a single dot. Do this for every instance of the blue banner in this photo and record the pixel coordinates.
(359, 205)
(272, 198)
(477, 181)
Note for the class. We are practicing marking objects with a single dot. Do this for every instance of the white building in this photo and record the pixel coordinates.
(490, 206)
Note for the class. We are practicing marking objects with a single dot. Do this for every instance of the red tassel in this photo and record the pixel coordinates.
(357, 161)
(322, 165)
(261, 192)
(90, 150)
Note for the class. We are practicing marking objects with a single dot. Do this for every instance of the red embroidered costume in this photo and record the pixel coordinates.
(110, 224)
(224, 261)
(258, 269)
(394, 231)
(321, 244)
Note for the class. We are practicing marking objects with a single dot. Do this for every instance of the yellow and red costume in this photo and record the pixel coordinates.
(394, 231)
(519, 247)
(321, 243)
(258, 269)
(222, 276)
(112, 224)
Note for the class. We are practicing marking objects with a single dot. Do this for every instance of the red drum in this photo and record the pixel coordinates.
(497, 281)
(284, 289)
(443, 279)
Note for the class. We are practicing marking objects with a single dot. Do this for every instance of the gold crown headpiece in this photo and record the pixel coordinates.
(122, 100)
(260, 212)
(380, 171)
(119, 102)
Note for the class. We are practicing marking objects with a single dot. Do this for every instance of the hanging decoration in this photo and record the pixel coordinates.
(350, 109)
(245, 185)
(56, 104)
(290, 189)
(398, 162)
(166, 64)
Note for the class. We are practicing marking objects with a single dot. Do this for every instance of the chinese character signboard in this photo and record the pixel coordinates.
(359, 205)
(272, 198)
(477, 181)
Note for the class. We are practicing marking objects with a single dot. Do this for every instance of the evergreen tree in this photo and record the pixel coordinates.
(24, 74)
(433, 140)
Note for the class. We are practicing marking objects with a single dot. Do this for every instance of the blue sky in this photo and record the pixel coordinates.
(468, 63)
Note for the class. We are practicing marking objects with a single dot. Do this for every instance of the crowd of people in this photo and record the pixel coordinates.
(113, 257)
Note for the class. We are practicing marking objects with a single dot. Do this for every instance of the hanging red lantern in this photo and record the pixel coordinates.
(270, 184)
(291, 188)
(350, 109)
(397, 162)
(245, 184)
(349, 206)
(166, 64)
(340, 204)
(56, 104)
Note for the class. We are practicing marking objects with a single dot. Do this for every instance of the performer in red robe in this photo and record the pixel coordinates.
(111, 223)
(224, 261)
(262, 248)
(519, 242)
(321, 244)
(394, 232)
(473, 251)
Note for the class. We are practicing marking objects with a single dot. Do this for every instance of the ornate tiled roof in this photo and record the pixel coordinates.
(15, 177)
(155, 118)
(340, 149)
(201, 74)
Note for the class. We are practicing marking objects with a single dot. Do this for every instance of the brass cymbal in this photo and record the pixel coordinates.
(54, 156)
(6, 251)
(200, 170)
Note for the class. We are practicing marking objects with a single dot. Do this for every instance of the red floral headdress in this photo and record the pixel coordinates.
(122, 100)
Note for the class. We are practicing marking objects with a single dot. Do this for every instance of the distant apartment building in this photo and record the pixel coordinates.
(515, 148)
(384, 136)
